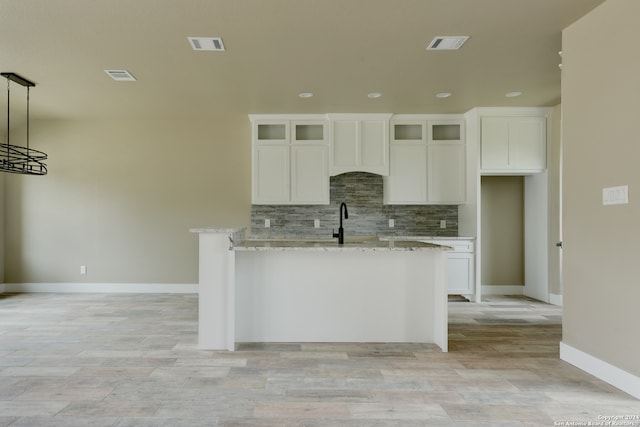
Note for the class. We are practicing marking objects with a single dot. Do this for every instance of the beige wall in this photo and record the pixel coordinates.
(121, 196)
(600, 110)
(502, 230)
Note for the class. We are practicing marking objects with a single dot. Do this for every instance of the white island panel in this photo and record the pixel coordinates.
(304, 291)
(341, 296)
(215, 287)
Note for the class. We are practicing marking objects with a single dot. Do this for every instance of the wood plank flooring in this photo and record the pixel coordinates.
(131, 360)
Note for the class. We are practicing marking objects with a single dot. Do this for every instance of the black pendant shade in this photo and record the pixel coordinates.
(15, 158)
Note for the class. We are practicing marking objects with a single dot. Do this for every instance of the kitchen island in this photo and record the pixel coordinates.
(319, 291)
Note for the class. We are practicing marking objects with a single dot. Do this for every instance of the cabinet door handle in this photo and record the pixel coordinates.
(559, 245)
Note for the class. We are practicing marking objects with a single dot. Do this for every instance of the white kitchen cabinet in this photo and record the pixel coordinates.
(309, 178)
(271, 174)
(359, 143)
(427, 162)
(513, 145)
(461, 265)
(290, 163)
(407, 180)
(447, 162)
(460, 273)
(446, 173)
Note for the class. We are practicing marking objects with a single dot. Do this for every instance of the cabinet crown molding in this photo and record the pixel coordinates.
(255, 117)
(379, 116)
(428, 117)
(511, 111)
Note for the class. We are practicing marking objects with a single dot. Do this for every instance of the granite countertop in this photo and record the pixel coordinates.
(332, 245)
(221, 230)
(400, 238)
(326, 243)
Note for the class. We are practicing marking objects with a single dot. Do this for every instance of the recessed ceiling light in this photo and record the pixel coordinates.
(374, 95)
(305, 94)
(120, 75)
(443, 95)
(513, 94)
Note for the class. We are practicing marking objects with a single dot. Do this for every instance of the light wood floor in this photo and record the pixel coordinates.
(131, 360)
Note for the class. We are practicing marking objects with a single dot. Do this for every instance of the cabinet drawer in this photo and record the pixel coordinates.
(457, 245)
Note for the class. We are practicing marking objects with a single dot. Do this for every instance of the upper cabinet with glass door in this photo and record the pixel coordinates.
(290, 159)
(427, 160)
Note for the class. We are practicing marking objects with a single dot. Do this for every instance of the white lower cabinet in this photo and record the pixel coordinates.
(461, 273)
(461, 266)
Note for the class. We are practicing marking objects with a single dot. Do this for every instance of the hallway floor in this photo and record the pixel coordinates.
(131, 360)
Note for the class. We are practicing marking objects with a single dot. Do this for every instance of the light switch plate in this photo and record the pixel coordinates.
(443, 223)
(267, 223)
(615, 195)
(392, 223)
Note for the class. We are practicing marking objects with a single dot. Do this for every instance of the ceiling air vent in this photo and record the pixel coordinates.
(447, 42)
(206, 43)
(120, 75)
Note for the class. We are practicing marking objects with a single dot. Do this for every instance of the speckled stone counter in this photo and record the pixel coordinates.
(421, 238)
(302, 245)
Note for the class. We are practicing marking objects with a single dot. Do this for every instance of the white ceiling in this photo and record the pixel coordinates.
(338, 49)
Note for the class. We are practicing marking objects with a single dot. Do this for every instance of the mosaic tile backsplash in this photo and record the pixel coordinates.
(362, 192)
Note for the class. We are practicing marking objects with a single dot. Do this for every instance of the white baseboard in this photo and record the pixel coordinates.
(502, 290)
(617, 377)
(555, 299)
(141, 288)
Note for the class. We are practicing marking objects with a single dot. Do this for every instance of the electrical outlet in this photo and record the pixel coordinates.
(267, 223)
(443, 223)
(392, 223)
(83, 269)
(316, 223)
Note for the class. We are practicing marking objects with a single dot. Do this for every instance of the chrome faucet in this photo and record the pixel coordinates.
(340, 233)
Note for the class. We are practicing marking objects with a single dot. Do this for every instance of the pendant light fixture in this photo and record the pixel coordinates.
(15, 158)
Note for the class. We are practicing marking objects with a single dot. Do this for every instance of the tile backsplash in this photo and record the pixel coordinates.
(362, 192)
